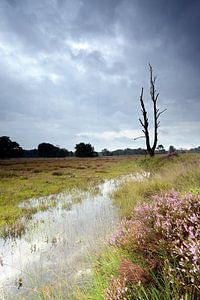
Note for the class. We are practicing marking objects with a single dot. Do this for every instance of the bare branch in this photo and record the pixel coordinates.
(156, 98)
(150, 68)
(141, 95)
(139, 137)
(158, 115)
(141, 123)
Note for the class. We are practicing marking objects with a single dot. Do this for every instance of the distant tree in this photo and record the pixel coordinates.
(161, 149)
(71, 153)
(46, 150)
(195, 150)
(172, 149)
(49, 150)
(105, 152)
(30, 153)
(63, 152)
(156, 112)
(85, 150)
(127, 151)
(139, 151)
(9, 149)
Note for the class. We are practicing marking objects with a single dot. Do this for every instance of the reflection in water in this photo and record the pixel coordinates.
(55, 251)
(57, 243)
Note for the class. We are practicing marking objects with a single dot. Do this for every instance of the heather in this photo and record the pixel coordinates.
(166, 233)
(180, 173)
(155, 252)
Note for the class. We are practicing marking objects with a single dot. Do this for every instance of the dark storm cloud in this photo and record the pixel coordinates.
(73, 70)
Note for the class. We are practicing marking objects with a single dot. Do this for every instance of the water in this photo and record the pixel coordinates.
(55, 250)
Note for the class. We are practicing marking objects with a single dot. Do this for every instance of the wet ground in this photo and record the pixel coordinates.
(55, 252)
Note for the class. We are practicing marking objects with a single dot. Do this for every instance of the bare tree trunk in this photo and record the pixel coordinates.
(156, 113)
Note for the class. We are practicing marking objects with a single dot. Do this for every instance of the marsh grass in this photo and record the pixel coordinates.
(179, 173)
(23, 179)
(105, 266)
(65, 241)
(175, 173)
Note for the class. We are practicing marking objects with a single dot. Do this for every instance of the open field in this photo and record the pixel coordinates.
(21, 179)
(86, 216)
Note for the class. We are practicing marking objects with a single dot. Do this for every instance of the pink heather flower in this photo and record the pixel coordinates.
(171, 224)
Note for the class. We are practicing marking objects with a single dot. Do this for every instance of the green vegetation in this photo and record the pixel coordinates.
(181, 173)
(159, 255)
(148, 267)
(105, 267)
(23, 179)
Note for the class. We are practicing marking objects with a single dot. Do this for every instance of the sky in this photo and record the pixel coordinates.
(72, 70)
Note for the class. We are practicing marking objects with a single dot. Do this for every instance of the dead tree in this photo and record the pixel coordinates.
(156, 114)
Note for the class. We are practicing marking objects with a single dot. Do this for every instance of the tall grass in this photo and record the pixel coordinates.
(179, 173)
(154, 267)
(168, 265)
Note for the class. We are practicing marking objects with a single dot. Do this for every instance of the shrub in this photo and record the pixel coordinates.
(118, 290)
(57, 173)
(167, 232)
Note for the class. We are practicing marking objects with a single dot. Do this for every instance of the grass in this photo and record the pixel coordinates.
(21, 179)
(105, 267)
(179, 173)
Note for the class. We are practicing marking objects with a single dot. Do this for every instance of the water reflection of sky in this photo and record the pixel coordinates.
(58, 242)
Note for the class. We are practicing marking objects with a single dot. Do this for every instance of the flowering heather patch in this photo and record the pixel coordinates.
(118, 290)
(122, 287)
(132, 273)
(168, 230)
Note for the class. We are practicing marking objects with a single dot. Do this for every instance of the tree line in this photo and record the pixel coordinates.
(11, 149)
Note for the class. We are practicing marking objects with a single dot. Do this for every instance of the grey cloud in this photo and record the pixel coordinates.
(97, 17)
(78, 66)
